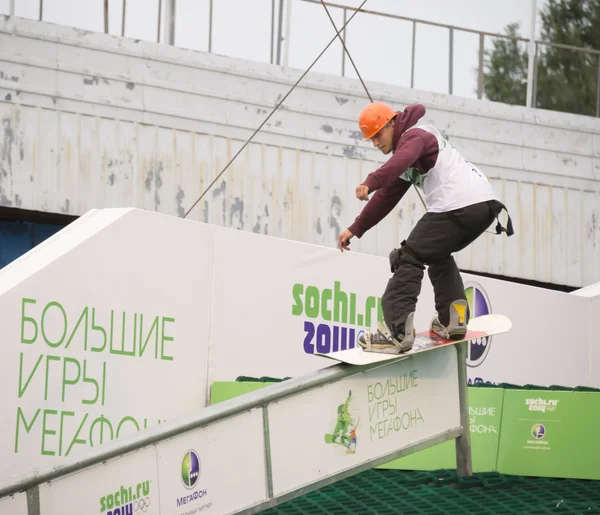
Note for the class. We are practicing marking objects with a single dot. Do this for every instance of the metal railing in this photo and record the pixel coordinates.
(280, 37)
(262, 399)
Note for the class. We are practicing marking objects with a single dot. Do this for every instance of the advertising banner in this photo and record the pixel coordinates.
(218, 469)
(532, 352)
(126, 485)
(485, 415)
(105, 341)
(322, 432)
(278, 302)
(16, 505)
(550, 433)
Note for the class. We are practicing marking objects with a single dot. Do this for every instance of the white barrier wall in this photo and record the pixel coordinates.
(594, 359)
(125, 319)
(104, 334)
(16, 505)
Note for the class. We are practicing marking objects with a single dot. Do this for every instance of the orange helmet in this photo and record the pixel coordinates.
(373, 118)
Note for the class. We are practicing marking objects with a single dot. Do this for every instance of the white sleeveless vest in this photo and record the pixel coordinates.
(453, 182)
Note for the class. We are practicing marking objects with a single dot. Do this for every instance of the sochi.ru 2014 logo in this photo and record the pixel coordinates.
(479, 305)
(190, 469)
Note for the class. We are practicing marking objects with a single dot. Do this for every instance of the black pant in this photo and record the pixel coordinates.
(432, 241)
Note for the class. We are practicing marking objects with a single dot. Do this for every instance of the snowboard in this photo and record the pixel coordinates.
(478, 327)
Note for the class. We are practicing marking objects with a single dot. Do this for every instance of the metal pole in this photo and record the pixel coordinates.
(412, 61)
(288, 23)
(535, 73)
(33, 500)
(159, 21)
(451, 59)
(272, 29)
(105, 16)
(123, 18)
(598, 90)
(11, 8)
(464, 465)
(279, 34)
(344, 44)
(210, 24)
(480, 71)
(170, 22)
(531, 51)
(41, 9)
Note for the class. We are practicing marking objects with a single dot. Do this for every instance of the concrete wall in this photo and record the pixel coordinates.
(90, 121)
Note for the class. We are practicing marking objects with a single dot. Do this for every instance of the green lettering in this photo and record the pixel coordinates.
(340, 304)
(165, 339)
(103, 382)
(84, 314)
(103, 504)
(47, 432)
(66, 381)
(131, 419)
(62, 420)
(20, 416)
(37, 364)
(64, 314)
(297, 291)
(325, 297)
(101, 420)
(353, 308)
(370, 304)
(312, 302)
(48, 359)
(28, 319)
(101, 330)
(93, 381)
(154, 327)
(122, 350)
(75, 440)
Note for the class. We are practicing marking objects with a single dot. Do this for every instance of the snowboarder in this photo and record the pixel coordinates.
(343, 421)
(461, 204)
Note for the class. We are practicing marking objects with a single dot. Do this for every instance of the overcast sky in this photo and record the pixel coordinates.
(380, 47)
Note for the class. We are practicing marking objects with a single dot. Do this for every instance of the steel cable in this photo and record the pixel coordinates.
(359, 76)
(273, 111)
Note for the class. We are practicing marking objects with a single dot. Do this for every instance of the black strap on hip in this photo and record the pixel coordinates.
(509, 226)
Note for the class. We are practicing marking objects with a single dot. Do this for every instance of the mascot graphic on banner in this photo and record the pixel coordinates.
(344, 432)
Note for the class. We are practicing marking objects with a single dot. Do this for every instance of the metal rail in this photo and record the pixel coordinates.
(261, 398)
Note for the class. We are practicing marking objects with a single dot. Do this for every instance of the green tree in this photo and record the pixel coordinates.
(566, 80)
(505, 78)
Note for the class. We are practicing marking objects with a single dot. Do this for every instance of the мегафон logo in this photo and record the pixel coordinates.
(190, 476)
(479, 305)
(190, 469)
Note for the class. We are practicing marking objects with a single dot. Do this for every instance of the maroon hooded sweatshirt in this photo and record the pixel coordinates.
(417, 149)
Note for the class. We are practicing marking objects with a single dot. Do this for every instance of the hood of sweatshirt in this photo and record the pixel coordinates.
(407, 119)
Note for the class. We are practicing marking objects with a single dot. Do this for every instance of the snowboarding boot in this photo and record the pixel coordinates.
(459, 318)
(384, 342)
